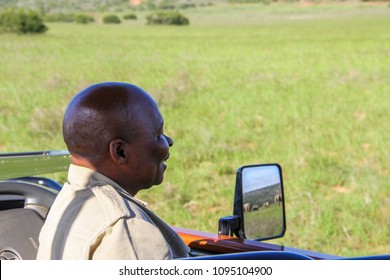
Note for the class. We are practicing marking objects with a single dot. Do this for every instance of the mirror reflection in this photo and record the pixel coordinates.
(263, 203)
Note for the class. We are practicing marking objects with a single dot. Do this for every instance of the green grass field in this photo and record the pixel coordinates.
(304, 86)
(264, 222)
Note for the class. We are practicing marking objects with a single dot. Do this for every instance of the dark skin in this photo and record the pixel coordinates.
(117, 130)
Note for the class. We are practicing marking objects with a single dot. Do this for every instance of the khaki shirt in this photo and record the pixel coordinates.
(94, 218)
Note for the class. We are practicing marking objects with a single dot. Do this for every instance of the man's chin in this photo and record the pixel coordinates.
(158, 181)
(159, 178)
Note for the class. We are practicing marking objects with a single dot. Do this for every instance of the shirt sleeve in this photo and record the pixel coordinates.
(130, 239)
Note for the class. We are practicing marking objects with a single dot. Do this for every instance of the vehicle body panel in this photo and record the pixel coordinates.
(25, 201)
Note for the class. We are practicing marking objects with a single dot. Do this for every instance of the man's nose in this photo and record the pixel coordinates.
(169, 140)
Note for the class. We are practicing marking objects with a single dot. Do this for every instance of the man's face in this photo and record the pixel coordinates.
(149, 149)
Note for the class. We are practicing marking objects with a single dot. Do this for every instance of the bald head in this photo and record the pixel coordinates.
(100, 113)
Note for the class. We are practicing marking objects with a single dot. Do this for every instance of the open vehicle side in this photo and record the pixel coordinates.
(258, 212)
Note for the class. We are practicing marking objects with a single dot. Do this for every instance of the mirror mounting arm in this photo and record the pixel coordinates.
(229, 226)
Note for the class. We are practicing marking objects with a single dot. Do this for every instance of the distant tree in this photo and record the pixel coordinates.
(83, 19)
(22, 21)
(130, 16)
(111, 19)
(167, 18)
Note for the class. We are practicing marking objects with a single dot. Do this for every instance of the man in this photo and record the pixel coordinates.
(114, 132)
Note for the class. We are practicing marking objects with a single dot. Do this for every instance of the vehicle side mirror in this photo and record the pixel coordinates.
(259, 210)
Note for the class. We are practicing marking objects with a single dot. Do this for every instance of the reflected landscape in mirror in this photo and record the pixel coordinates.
(263, 203)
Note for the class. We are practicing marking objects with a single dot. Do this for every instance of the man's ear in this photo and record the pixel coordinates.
(119, 151)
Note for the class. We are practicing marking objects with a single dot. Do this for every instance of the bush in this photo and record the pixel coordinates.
(83, 19)
(112, 19)
(22, 22)
(167, 18)
(130, 16)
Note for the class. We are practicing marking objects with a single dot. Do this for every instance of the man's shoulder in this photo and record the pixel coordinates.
(88, 203)
(113, 205)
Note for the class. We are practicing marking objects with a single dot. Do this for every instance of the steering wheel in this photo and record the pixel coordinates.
(20, 227)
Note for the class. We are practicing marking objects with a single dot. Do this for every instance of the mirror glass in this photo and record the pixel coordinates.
(263, 202)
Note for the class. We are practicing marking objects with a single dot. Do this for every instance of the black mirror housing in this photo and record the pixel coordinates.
(259, 202)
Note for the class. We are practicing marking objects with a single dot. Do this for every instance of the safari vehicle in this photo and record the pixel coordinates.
(258, 212)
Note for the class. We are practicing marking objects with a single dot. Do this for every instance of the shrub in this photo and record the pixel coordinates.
(167, 18)
(22, 22)
(83, 19)
(111, 19)
(130, 16)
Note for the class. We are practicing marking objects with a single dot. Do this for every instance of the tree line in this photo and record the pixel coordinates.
(22, 21)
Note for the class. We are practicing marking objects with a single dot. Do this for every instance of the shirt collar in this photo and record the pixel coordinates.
(84, 177)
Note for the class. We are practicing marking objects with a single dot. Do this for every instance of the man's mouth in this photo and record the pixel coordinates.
(165, 162)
